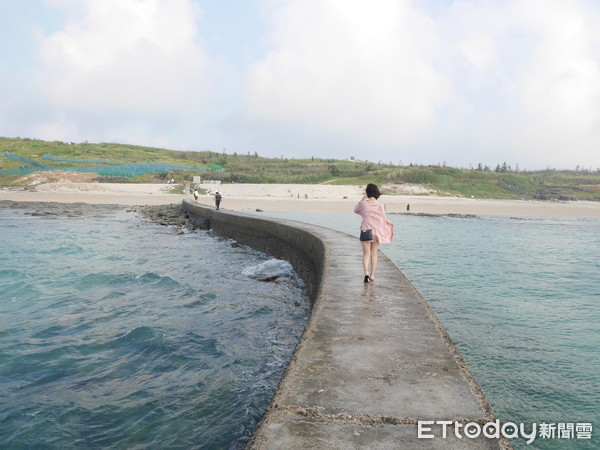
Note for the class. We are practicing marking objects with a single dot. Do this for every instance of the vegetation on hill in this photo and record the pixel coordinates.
(503, 182)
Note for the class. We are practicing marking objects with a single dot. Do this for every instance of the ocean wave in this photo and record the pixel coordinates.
(200, 300)
(157, 279)
(124, 279)
(143, 339)
(17, 290)
(271, 270)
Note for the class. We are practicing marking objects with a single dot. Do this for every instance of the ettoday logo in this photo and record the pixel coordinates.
(429, 429)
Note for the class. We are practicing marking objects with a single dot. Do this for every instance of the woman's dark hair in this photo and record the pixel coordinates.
(373, 190)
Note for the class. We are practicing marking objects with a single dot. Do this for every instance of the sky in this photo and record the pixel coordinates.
(454, 82)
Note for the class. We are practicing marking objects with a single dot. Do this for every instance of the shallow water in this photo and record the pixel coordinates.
(115, 332)
(520, 298)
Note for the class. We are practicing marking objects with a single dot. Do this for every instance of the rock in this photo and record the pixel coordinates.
(451, 215)
(171, 215)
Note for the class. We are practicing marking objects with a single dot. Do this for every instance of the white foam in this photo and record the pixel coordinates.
(270, 270)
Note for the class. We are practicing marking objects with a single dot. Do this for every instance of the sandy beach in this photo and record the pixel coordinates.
(295, 197)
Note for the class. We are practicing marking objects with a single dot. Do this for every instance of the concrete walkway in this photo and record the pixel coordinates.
(372, 362)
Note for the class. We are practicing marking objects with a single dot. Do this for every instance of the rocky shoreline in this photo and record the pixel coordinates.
(167, 215)
(49, 209)
(451, 215)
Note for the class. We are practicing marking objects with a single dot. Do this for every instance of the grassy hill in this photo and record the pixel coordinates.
(161, 164)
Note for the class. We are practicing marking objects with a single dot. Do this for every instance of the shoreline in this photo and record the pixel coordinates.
(273, 197)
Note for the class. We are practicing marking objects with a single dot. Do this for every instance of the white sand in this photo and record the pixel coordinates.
(291, 197)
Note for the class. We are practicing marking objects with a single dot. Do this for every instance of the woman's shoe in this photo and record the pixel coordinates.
(366, 278)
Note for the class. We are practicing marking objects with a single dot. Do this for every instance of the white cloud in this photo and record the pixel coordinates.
(136, 59)
(462, 81)
(58, 129)
(479, 53)
(559, 91)
(476, 81)
(348, 66)
(533, 79)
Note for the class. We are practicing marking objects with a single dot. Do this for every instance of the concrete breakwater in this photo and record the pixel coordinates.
(373, 360)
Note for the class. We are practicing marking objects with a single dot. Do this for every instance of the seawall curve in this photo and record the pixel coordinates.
(373, 359)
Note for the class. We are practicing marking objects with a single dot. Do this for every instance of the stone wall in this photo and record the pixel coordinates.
(302, 248)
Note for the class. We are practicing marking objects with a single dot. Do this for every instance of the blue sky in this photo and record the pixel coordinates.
(435, 81)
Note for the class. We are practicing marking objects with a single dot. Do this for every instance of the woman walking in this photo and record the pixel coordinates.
(375, 229)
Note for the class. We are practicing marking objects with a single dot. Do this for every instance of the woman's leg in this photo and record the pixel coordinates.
(373, 251)
(366, 256)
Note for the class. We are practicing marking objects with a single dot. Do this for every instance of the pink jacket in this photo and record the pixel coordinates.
(373, 218)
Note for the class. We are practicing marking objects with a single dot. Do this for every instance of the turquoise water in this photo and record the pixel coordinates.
(115, 332)
(520, 298)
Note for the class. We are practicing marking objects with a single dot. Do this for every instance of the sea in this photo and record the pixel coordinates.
(117, 332)
(520, 298)
(120, 333)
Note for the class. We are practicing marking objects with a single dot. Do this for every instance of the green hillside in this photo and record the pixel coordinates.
(137, 164)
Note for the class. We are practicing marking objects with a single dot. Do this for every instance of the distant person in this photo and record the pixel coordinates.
(218, 198)
(196, 195)
(375, 229)
(408, 206)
